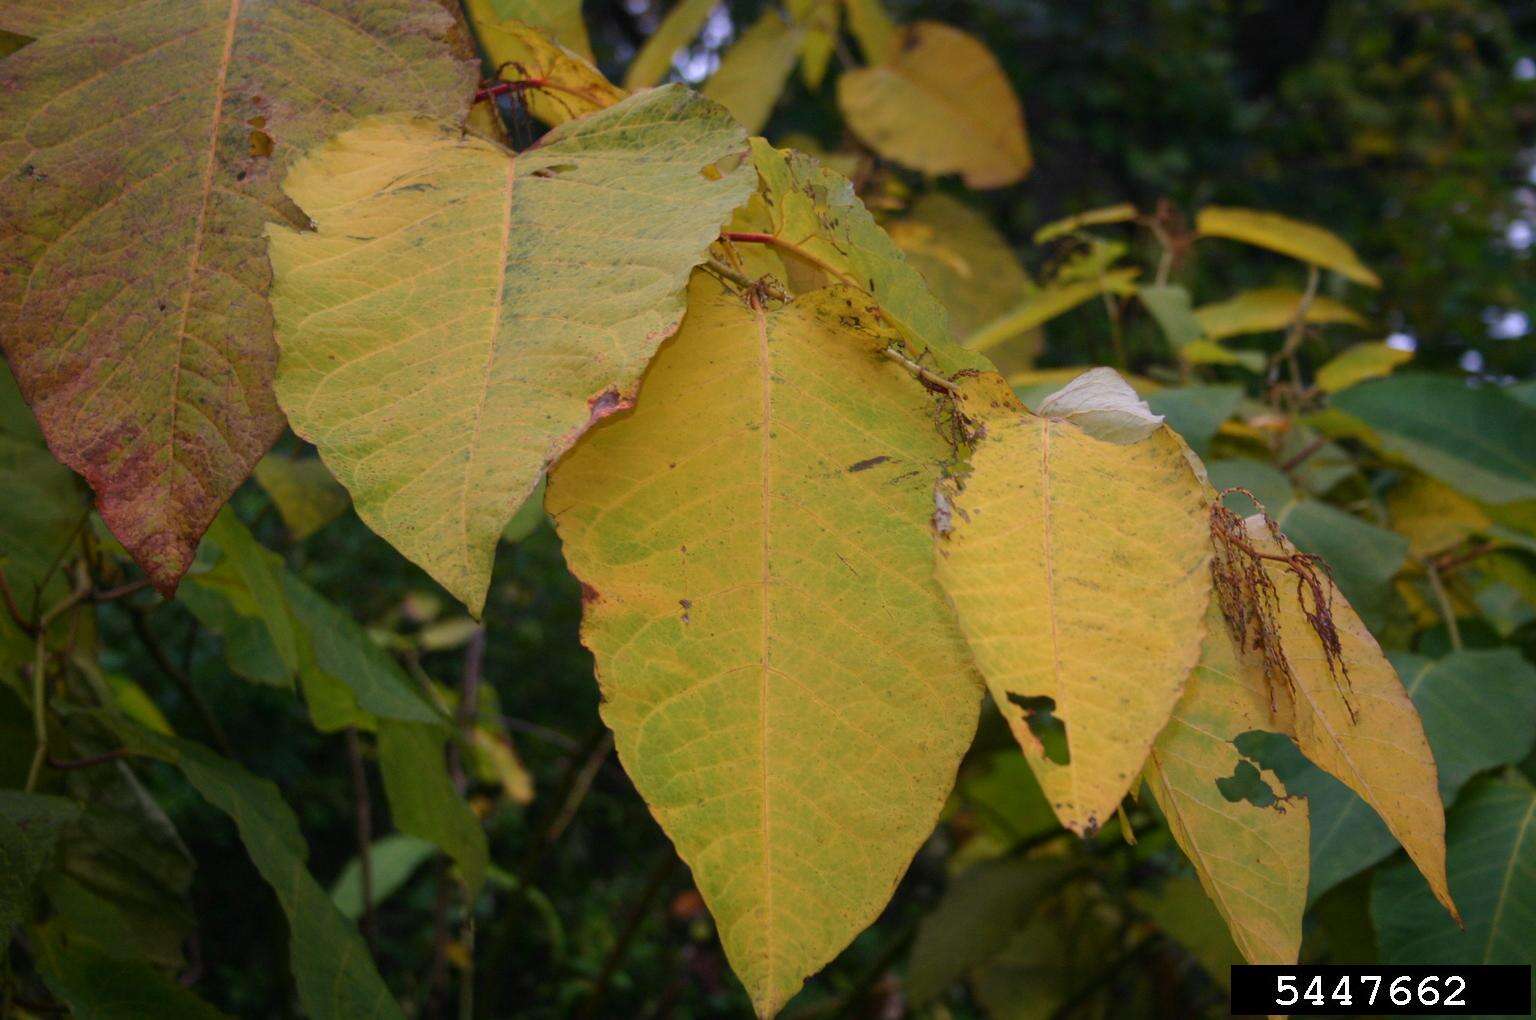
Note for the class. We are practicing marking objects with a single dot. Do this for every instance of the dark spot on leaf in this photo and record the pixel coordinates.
(261, 144)
(865, 465)
(589, 594)
(687, 604)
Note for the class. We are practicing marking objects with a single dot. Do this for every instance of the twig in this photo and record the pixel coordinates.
(929, 378)
(775, 241)
(40, 676)
(634, 918)
(574, 784)
(1296, 332)
(10, 605)
(1295, 461)
(140, 618)
(742, 280)
(121, 591)
(1447, 611)
(1449, 561)
(69, 765)
(363, 806)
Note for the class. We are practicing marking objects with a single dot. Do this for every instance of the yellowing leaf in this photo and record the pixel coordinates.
(1433, 517)
(1350, 715)
(785, 683)
(1251, 855)
(569, 86)
(559, 20)
(1045, 304)
(133, 276)
(821, 20)
(1301, 241)
(826, 235)
(878, 36)
(1270, 309)
(676, 31)
(1209, 352)
(1359, 363)
(753, 71)
(1122, 213)
(1078, 570)
(940, 103)
(967, 264)
(305, 494)
(458, 318)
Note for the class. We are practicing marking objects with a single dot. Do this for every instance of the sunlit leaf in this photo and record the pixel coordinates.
(939, 103)
(1024, 562)
(437, 366)
(133, 272)
(753, 71)
(1301, 241)
(1270, 309)
(784, 680)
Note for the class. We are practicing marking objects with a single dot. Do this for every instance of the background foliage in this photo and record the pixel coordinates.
(1405, 126)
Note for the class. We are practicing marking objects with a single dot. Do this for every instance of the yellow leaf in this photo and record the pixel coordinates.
(1358, 363)
(940, 104)
(1432, 516)
(1078, 570)
(1301, 241)
(1270, 309)
(1122, 213)
(785, 682)
(1343, 705)
(305, 494)
(753, 71)
(459, 317)
(967, 264)
(559, 20)
(1209, 352)
(676, 31)
(821, 20)
(570, 86)
(1252, 858)
(878, 36)
(1045, 304)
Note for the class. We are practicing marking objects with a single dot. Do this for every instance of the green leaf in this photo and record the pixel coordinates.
(1364, 557)
(132, 270)
(435, 362)
(393, 859)
(336, 977)
(1023, 560)
(973, 921)
(560, 19)
(1182, 909)
(257, 575)
(835, 239)
(1492, 848)
(1196, 412)
(938, 102)
(785, 683)
(1472, 438)
(29, 832)
(1173, 310)
(753, 71)
(1301, 241)
(98, 985)
(1268, 310)
(305, 494)
(675, 32)
(422, 800)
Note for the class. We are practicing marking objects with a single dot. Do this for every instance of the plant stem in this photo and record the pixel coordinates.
(40, 677)
(633, 919)
(363, 805)
(929, 378)
(1447, 611)
(182, 681)
(775, 241)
